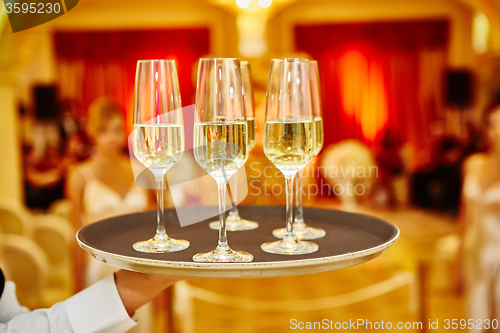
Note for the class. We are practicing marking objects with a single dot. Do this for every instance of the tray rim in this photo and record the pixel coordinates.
(153, 265)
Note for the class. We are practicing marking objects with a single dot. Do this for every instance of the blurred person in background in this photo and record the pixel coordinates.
(77, 145)
(480, 217)
(436, 184)
(103, 186)
(471, 141)
(389, 158)
(44, 164)
(445, 188)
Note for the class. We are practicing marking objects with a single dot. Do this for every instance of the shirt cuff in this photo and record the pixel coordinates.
(9, 306)
(98, 308)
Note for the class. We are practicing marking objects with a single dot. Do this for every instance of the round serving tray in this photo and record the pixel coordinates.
(350, 239)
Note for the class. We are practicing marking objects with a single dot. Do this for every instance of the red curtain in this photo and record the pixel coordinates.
(102, 63)
(377, 75)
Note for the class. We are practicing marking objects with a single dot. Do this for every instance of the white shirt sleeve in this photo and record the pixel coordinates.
(97, 309)
(9, 306)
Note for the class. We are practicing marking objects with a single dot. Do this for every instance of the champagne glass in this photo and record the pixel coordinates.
(289, 138)
(158, 137)
(220, 139)
(233, 221)
(300, 228)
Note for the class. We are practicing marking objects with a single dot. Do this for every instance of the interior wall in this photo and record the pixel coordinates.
(32, 51)
(10, 168)
(280, 26)
(114, 14)
(26, 57)
(458, 12)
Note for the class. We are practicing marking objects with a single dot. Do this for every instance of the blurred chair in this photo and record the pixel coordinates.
(185, 293)
(445, 261)
(345, 166)
(27, 266)
(15, 218)
(55, 236)
(61, 208)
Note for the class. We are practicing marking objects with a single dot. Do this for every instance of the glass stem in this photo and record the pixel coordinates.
(222, 245)
(233, 213)
(289, 236)
(161, 234)
(299, 211)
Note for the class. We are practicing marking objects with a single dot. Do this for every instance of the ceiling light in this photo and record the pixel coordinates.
(243, 3)
(265, 3)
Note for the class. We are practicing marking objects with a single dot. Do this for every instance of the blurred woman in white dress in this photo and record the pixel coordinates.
(102, 186)
(481, 212)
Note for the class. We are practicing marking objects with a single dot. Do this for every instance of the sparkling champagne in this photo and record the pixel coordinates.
(289, 145)
(158, 147)
(221, 149)
(318, 135)
(251, 133)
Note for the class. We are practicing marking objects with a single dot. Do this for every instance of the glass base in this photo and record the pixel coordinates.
(235, 225)
(218, 255)
(301, 231)
(289, 247)
(157, 245)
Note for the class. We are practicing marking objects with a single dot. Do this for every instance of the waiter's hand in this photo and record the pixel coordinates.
(137, 289)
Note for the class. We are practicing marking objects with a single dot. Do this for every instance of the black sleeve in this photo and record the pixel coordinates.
(2, 282)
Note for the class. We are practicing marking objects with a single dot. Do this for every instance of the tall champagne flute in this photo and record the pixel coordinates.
(220, 139)
(300, 228)
(289, 137)
(233, 221)
(158, 137)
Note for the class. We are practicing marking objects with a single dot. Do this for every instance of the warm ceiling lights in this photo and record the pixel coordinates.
(265, 3)
(243, 3)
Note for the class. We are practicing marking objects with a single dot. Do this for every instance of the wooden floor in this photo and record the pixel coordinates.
(419, 252)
